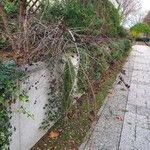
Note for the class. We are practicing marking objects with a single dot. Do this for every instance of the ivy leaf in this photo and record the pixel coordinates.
(23, 98)
(1, 99)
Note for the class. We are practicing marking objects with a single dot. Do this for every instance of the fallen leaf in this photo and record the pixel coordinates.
(127, 86)
(110, 93)
(119, 118)
(53, 135)
(92, 115)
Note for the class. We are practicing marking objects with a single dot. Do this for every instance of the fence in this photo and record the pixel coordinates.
(33, 5)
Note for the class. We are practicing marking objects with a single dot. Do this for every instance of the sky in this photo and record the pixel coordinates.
(143, 11)
(145, 5)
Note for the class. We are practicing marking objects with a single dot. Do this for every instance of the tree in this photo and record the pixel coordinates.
(139, 28)
(147, 18)
(127, 8)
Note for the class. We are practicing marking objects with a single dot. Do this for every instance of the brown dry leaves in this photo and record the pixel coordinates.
(110, 93)
(53, 135)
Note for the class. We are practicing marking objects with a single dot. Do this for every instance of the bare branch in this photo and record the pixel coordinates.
(147, 18)
(128, 7)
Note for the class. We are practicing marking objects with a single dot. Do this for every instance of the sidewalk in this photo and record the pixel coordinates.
(124, 119)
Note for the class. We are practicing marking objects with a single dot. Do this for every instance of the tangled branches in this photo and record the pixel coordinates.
(36, 41)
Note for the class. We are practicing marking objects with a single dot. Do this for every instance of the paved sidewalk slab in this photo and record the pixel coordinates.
(136, 128)
(124, 122)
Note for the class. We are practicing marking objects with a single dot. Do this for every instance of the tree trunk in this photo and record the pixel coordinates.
(22, 12)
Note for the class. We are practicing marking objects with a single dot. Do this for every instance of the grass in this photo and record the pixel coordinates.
(73, 130)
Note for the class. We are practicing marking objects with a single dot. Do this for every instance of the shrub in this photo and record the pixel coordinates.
(119, 47)
(128, 44)
(3, 43)
(139, 28)
(95, 60)
(110, 17)
(10, 7)
(122, 32)
(73, 13)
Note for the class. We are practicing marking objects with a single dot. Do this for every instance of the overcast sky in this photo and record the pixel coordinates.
(145, 5)
(144, 10)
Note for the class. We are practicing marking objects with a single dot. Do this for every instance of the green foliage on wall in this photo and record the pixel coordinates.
(119, 47)
(95, 60)
(9, 93)
(10, 7)
(72, 12)
(96, 16)
(110, 17)
(53, 109)
(3, 43)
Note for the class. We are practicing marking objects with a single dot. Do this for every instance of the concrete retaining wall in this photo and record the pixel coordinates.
(25, 129)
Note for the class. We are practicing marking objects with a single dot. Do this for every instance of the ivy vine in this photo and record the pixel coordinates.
(9, 93)
(53, 106)
(60, 91)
